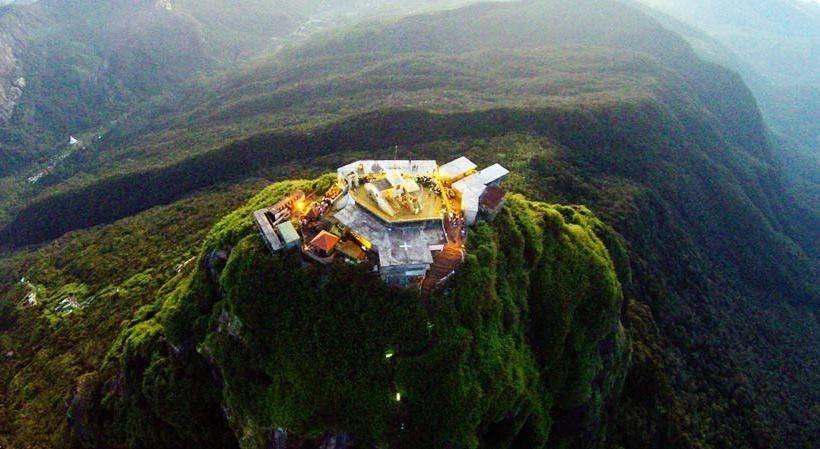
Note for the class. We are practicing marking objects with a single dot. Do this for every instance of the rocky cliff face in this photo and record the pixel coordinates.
(16, 27)
(11, 89)
(82, 63)
(524, 349)
(17, 24)
(723, 325)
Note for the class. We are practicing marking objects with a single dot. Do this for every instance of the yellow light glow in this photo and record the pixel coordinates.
(300, 206)
(363, 241)
(398, 397)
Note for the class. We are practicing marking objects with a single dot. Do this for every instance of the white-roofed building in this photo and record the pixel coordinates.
(423, 168)
(410, 186)
(493, 175)
(469, 207)
(404, 249)
(406, 211)
(456, 169)
(473, 187)
(264, 220)
(471, 184)
(395, 178)
(470, 189)
(459, 174)
(368, 167)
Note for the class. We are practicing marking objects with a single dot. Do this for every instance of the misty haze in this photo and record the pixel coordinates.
(459, 224)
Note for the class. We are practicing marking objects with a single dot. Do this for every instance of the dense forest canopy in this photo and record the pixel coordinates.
(651, 283)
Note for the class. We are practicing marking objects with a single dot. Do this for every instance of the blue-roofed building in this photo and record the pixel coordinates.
(290, 238)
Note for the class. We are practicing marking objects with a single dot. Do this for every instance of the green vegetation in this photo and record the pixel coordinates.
(520, 58)
(83, 63)
(111, 271)
(90, 65)
(668, 150)
(785, 85)
(525, 343)
(8, 315)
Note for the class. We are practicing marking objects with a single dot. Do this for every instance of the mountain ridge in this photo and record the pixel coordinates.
(207, 128)
(515, 406)
(773, 62)
(719, 283)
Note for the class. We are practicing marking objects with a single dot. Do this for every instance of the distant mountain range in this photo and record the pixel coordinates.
(775, 45)
(74, 67)
(673, 307)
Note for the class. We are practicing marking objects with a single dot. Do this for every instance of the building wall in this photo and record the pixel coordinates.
(399, 275)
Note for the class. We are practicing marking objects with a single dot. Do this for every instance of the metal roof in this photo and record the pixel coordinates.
(469, 202)
(457, 167)
(493, 173)
(412, 167)
(404, 246)
(492, 197)
(288, 232)
(397, 245)
(266, 229)
(325, 241)
(351, 250)
(472, 185)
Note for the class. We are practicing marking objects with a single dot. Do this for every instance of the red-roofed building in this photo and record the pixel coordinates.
(324, 243)
(491, 202)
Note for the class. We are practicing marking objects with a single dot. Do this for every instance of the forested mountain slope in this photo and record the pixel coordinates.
(518, 344)
(555, 62)
(778, 37)
(77, 291)
(84, 62)
(622, 117)
(76, 67)
(774, 45)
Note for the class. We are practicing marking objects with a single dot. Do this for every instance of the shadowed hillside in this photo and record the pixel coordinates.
(552, 64)
(78, 67)
(587, 103)
(86, 62)
(773, 45)
(528, 337)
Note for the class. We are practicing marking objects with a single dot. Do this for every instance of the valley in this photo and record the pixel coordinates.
(650, 282)
(774, 48)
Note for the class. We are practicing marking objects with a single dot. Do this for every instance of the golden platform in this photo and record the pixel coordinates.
(432, 206)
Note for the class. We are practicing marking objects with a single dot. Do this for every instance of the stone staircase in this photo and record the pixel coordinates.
(445, 262)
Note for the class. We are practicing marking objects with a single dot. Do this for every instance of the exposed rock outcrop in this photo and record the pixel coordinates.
(15, 28)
